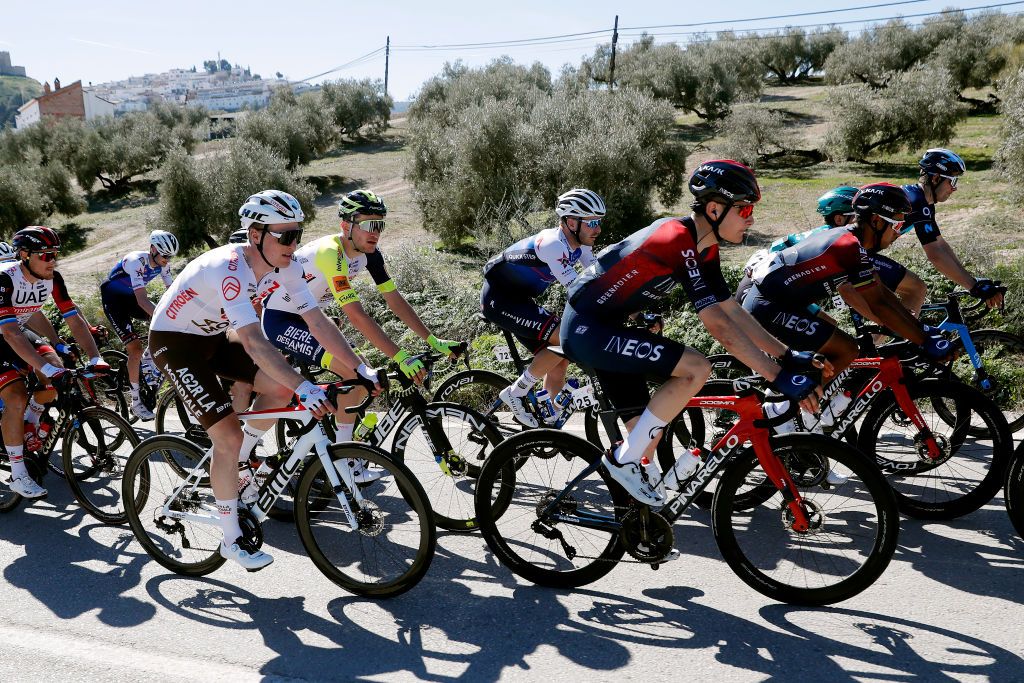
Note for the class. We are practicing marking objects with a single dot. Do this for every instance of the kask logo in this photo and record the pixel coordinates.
(230, 287)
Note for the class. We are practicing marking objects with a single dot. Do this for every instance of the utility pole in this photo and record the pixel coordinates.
(387, 57)
(615, 40)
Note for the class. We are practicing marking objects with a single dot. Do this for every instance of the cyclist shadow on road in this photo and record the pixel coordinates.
(73, 568)
(979, 553)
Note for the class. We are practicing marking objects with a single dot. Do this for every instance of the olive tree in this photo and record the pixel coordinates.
(1010, 155)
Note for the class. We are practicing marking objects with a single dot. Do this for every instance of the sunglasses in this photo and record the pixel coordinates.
(899, 227)
(745, 210)
(46, 256)
(288, 237)
(375, 225)
(953, 179)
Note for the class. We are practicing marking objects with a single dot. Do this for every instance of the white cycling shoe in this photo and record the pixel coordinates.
(634, 479)
(362, 473)
(518, 407)
(835, 479)
(26, 487)
(243, 552)
(142, 412)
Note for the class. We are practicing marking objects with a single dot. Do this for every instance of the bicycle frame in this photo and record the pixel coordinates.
(313, 438)
(954, 322)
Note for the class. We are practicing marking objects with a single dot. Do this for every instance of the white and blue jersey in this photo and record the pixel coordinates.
(134, 272)
(531, 265)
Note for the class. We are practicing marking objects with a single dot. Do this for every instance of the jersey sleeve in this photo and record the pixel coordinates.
(689, 271)
(166, 276)
(587, 257)
(379, 273)
(294, 282)
(338, 283)
(234, 289)
(7, 312)
(927, 230)
(712, 268)
(61, 298)
(136, 270)
(860, 269)
(554, 254)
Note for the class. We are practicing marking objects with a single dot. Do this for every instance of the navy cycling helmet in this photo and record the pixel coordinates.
(939, 161)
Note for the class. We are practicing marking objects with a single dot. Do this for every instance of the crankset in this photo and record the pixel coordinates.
(251, 529)
(646, 535)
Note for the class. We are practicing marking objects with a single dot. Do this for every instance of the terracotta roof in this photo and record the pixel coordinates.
(47, 95)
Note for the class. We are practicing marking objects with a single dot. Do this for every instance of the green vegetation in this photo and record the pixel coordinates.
(14, 92)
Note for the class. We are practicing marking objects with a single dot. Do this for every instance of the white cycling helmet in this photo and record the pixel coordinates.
(7, 252)
(166, 244)
(270, 207)
(579, 202)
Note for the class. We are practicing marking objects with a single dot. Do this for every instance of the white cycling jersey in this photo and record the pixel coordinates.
(217, 290)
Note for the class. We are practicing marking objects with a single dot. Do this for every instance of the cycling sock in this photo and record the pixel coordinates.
(135, 391)
(16, 454)
(521, 387)
(344, 432)
(227, 511)
(250, 437)
(34, 412)
(636, 442)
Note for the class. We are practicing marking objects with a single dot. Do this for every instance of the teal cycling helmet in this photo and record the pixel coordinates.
(839, 200)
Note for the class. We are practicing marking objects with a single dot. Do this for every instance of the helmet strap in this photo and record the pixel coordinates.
(26, 261)
(717, 223)
(259, 247)
(579, 226)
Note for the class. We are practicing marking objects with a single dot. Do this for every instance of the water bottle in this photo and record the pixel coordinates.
(683, 469)
(564, 398)
(828, 413)
(544, 405)
(365, 427)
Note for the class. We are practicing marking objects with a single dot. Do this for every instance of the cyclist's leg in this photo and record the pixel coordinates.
(554, 379)
(15, 398)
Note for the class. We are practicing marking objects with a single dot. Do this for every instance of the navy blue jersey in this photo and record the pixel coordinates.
(531, 265)
(922, 215)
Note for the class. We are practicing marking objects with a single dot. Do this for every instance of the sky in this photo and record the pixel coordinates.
(103, 40)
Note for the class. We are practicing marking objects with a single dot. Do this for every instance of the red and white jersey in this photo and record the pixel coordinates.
(19, 298)
(217, 290)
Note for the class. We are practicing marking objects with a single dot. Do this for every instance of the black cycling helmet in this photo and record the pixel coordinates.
(361, 202)
(722, 180)
(35, 238)
(881, 199)
(939, 161)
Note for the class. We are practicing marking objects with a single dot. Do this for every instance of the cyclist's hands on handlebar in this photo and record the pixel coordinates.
(988, 291)
(445, 347)
(315, 399)
(371, 375)
(410, 366)
(98, 366)
(798, 378)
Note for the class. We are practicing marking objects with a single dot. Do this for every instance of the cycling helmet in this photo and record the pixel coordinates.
(270, 207)
(724, 180)
(35, 238)
(881, 199)
(839, 200)
(240, 236)
(362, 202)
(166, 244)
(939, 161)
(7, 252)
(579, 203)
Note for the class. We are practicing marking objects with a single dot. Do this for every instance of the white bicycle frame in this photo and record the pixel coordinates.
(340, 475)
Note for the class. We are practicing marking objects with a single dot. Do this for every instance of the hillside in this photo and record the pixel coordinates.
(978, 219)
(14, 92)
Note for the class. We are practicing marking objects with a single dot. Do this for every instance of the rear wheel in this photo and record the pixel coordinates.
(1002, 357)
(1014, 491)
(853, 526)
(95, 449)
(153, 478)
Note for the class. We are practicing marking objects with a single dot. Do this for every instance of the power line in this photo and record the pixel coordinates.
(358, 60)
(777, 16)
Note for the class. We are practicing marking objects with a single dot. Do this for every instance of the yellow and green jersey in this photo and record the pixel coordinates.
(329, 274)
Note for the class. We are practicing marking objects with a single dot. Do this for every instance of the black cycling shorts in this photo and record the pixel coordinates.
(122, 310)
(531, 324)
(194, 363)
(797, 328)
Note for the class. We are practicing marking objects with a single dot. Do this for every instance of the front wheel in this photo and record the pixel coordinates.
(853, 526)
(95, 448)
(549, 534)
(448, 478)
(1002, 358)
(393, 543)
(952, 466)
(1013, 492)
(155, 477)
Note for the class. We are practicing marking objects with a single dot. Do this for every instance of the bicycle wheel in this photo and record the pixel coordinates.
(974, 449)
(286, 432)
(853, 526)
(542, 550)
(1013, 492)
(449, 483)
(392, 548)
(95, 448)
(183, 546)
(112, 391)
(173, 418)
(1002, 357)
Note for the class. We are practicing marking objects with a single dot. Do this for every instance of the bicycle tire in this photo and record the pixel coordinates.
(858, 520)
(972, 469)
(565, 457)
(149, 480)
(1013, 490)
(1003, 358)
(395, 497)
(169, 409)
(114, 387)
(96, 467)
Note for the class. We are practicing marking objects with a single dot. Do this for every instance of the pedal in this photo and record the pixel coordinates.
(672, 556)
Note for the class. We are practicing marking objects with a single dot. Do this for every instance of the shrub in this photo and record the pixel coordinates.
(878, 54)
(29, 193)
(919, 108)
(199, 198)
(795, 54)
(753, 131)
(357, 108)
(1010, 155)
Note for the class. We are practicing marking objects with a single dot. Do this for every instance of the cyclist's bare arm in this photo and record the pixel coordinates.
(881, 306)
(143, 301)
(331, 338)
(400, 307)
(945, 260)
(267, 358)
(42, 326)
(80, 331)
(737, 341)
(369, 328)
(746, 322)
